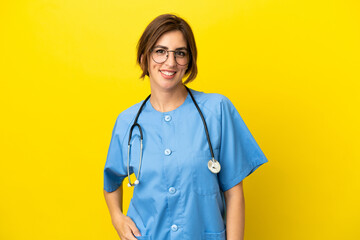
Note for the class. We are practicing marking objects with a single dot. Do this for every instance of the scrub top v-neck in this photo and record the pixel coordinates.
(178, 197)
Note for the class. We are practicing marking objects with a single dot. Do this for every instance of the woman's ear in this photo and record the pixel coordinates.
(141, 58)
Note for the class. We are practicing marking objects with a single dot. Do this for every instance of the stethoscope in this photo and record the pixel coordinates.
(213, 165)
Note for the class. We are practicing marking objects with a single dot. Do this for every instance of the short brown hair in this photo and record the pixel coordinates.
(160, 25)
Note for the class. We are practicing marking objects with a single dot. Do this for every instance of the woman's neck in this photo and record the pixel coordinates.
(168, 100)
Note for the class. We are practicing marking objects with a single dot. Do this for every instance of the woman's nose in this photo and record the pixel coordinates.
(171, 61)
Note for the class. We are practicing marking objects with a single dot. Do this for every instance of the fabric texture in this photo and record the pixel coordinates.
(178, 197)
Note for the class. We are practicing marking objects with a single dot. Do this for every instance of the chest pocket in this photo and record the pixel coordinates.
(205, 182)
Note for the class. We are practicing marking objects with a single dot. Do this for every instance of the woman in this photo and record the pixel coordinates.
(196, 149)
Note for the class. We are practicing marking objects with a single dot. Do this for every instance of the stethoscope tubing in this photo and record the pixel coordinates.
(204, 123)
(135, 124)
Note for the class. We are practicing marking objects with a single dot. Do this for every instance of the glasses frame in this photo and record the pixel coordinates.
(167, 56)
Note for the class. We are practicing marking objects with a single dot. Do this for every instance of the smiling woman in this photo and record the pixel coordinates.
(189, 170)
(149, 40)
(166, 63)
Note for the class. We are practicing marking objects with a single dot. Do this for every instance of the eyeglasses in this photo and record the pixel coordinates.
(160, 55)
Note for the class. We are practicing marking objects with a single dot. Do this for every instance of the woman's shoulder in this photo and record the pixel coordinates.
(131, 111)
(210, 99)
(215, 104)
(127, 116)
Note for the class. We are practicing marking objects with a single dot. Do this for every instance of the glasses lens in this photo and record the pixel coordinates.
(160, 55)
(182, 57)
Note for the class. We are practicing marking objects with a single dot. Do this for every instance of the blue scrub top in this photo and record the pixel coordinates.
(178, 197)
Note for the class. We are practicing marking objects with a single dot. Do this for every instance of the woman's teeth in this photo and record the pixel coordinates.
(168, 73)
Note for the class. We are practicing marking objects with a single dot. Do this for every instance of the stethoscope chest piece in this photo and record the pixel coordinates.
(214, 166)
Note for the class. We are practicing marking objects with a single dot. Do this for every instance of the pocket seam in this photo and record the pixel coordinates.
(215, 236)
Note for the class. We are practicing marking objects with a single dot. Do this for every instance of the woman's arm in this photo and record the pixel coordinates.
(124, 226)
(235, 212)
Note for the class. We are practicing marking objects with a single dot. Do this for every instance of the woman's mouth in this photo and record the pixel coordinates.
(167, 74)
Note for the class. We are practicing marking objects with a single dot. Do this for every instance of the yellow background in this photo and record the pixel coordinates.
(290, 67)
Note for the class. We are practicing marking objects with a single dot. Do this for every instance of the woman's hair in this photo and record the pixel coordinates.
(160, 25)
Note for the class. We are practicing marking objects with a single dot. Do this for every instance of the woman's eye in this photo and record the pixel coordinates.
(160, 51)
(181, 53)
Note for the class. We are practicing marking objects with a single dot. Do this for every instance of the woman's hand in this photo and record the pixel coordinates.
(125, 227)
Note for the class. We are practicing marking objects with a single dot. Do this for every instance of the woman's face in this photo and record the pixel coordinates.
(168, 75)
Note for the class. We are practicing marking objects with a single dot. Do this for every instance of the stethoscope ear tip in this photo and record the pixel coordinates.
(136, 182)
(129, 185)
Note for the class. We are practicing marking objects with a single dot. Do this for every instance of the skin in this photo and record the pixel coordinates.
(123, 225)
(235, 212)
(167, 95)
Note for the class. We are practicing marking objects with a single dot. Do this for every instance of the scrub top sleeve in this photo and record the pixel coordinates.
(240, 155)
(114, 171)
